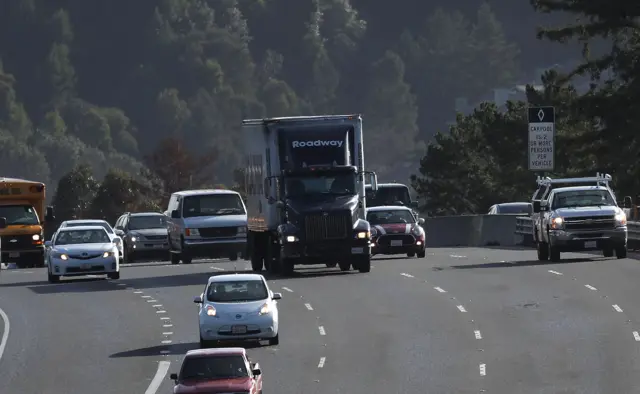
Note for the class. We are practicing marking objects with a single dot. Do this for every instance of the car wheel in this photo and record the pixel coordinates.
(621, 252)
(275, 340)
(422, 254)
(411, 254)
(364, 264)
(233, 257)
(607, 252)
(114, 275)
(53, 278)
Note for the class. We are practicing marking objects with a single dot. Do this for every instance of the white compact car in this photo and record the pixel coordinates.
(82, 250)
(238, 307)
(95, 222)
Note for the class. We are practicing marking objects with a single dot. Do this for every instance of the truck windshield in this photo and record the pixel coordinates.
(386, 195)
(343, 184)
(582, 198)
(19, 214)
(212, 205)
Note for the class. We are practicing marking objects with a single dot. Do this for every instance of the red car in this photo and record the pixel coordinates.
(396, 230)
(222, 370)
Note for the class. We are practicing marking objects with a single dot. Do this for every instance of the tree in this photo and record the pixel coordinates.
(74, 194)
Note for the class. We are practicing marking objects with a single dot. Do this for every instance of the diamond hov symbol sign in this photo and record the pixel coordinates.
(542, 130)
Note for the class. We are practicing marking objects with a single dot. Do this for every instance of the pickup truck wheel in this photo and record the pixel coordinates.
(344, 266)
(607, 252)
(256, 262)
(331, 265)
(364, 264)
(543, 251)
(554, 253)
(621, 252)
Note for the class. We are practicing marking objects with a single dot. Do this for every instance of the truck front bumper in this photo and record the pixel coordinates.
(25, 257)
(579, 240)
(320, 252)
(215, 248)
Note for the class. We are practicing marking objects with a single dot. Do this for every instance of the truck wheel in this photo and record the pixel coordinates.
(621, 252)
(331, 265)
(607, 252)
(543, 251)
(554, 253)
(364, 264)
(344, 266)
(256, 262)
(286, 266)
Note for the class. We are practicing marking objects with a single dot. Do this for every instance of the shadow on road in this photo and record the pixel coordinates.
(507, 264)
(181, 348)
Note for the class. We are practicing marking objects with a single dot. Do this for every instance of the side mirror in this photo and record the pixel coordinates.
(117, 241)
(257, 372)
(536, 206)
(414, 204)
(48, 244)
(197, 300)
(421, 221)
(173, 376)
(3, 223)
(175, 214)
(49, 216)
(373, 180)
(119, 232)
(277, 296)
(279, 204)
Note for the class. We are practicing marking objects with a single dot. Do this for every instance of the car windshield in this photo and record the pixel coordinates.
(72, 237)
(390, 216)
(19, 214)
(145, 222)
(508, 209)
(212, 205)
(342, 184)
(237, 291)
(582, 198)
(214, 367)
(104, 225)
(396, 195)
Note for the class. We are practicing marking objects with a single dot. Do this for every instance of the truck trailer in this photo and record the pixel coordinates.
(305, 188)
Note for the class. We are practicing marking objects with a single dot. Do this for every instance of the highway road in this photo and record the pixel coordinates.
(461, 320)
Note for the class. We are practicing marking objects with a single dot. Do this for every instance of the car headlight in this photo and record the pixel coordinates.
(211, 311)
(107, 254)
(60, 256)
(242, 230)
(363, 234)
(291, 238)
(265, 309)
(191, 231)
(134, 239)
(557, 222)
(35, 237)
(621, 219)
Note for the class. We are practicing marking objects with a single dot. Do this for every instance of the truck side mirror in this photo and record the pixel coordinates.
(536, 206)
(373, 181)
(49, 215)
(544, 206)
(3, 223)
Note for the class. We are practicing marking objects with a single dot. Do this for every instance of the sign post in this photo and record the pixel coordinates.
(542, 130)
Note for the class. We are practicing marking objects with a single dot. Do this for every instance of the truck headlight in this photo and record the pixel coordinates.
(35, 237)
(291, 238)
(363, 235)
(557, 223)
(621, 219)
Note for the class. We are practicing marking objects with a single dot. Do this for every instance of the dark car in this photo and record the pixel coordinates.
(395, 230)
(144, 235)
(222, 370)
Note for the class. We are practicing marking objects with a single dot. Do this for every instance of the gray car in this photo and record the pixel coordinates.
(144, 236)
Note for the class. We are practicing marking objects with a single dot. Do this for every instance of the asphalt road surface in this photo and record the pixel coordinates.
(461, 320)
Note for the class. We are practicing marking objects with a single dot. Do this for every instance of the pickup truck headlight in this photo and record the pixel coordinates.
(621, 219)
(557, 223)
(363, 234)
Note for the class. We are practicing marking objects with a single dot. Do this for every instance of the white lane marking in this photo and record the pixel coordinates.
(152, 300)
(5, 332)
(167, 325)
(478, 334)
(145, 296)
(636, 336)
(137, 292)
(217, 268)
(483, 369)
(407, 275)
(287, 289)
(167, 333)
(617, 308)
(156, 382)
(440, 289)
(461, 308)
(165, 318)
(590, 287)
(161, 311)
(156, 306)
(455, 256)
(166, 342)
(322, 331)
(121, 284)
(555, 272)
(322, 361)
(309, 307)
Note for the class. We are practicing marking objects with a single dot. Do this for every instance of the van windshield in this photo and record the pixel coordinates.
(19, 214)
(212, 205)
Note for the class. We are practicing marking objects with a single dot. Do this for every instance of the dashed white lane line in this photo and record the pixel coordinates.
(617, 308)
(308, 306)
(5, 332)
(152, 300)
(322, 361)
(137, 292)
(590, 287)
(636, 336)
(407, 275)
(322, 331)
(146, 296)
(478, 334)
(165, 318)
(167, 325)
(156, 382)
(555, 272)
(440, 289)
(161, 311)
(166, 342)
(156, 306)
(483, 369)
(461, 308)
(167, 333)
(217, 268)
(287, 289)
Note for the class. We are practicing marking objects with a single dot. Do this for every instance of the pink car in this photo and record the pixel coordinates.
(222, 370)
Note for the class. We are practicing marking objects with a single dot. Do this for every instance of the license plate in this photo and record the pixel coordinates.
(14, 254)
(396, 243)
(85, 266)
(591, 244)
(239, 329)
(357, 250)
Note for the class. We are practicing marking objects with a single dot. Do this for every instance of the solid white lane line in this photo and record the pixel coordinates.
(407, 275)
(156, 382)
(166, 342)
(617, 308)
(461, 308)
(161, 311)
(322, 331)
(555, 272)
(5, 332)
(478, 334)
(287, 289)
(167, 333)
(440, 289)
(636, 336)
(309, 307)
(483, 369)
(322, 361)
(217, 268)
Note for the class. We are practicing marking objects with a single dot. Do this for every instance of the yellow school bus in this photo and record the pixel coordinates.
(22, 205)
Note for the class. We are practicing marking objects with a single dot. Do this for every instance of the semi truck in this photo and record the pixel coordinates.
(22, 204)
(305, 188)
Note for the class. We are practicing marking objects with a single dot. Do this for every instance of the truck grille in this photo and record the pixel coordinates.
(320, 227)
(218, 232)
(385, 240)
(155, 237)
(590, 223)
(21, 242)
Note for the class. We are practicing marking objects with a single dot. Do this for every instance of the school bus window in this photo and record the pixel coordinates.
(19, 215)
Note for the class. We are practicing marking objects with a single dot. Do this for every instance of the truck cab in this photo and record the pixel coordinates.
(390, 194)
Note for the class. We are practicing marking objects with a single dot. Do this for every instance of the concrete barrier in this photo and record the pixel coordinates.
(471, 230)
